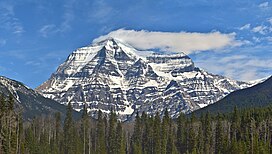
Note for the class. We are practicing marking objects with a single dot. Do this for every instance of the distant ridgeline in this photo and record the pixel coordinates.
(27, 101)
(259, 95)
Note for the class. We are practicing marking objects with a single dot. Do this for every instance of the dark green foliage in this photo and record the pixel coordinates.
(10, 125)
(85, 130)
(219, 136)
(137, 135)
(242, 131)
(157, 134)
(259, 95)
(165, 132)
(120, 140)
(112, 134)
(181, 134)
(69, 131)
(101, 135)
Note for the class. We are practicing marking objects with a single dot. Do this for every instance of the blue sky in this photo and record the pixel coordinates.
(36, 36)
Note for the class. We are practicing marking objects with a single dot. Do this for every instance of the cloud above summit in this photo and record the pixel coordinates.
(187, 42)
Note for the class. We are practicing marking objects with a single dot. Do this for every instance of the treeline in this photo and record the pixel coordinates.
(247, 131)
(11, 127)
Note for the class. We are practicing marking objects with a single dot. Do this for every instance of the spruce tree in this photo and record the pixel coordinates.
(171, 147)
(165, 131)
(207, 134)
(157, 134)
(57, 138)
(192, 140)
(137, 135)
(200, 135)
(85, 129)
(68, 131)
(100, 129)
(145, 133)
(112, 134)
(120, 140)
(219, 136)
(235, 123)
(181, 133)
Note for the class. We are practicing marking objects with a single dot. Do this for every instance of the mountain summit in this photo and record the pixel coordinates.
(110, 75)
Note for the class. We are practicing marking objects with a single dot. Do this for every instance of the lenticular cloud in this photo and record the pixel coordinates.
(174, 41)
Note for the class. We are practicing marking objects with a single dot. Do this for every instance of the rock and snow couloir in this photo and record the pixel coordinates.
(110, 75)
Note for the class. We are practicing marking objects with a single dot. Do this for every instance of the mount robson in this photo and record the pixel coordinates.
(110, 98)
(113, 76)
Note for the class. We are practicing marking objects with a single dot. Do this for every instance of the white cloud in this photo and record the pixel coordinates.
(257, 39)
(8, 21)
(68, 15)
(269, 38)
(246, 26)
(48, 29)
(260, 29)
(65, 25)
(270, 20)
(174, 41)
(239, 67)
(264, 5)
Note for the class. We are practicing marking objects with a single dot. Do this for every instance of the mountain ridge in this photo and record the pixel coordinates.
(259, 95)
(110, 75)
(30, 102)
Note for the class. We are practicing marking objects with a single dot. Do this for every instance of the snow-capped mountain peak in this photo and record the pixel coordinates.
(111, 75)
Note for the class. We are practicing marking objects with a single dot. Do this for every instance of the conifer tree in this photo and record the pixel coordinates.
(136, 137)
(181, 133)
(235, 123)
(192, 143)
(219, 136)
(157, 134)
(31, 141)
(145, 133)
(164, 131)
(207, 134)
(112, 134)
(120, 140)
(68, 131)
(85, 129)
(149, 132)
(100, 129)
(200, 135)
(171, 147)
(57, 138)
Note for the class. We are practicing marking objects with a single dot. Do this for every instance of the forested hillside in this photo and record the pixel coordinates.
(259, 95)
(246, 131)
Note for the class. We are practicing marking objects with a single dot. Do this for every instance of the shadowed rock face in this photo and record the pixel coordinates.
(30, 103)
(109, 75)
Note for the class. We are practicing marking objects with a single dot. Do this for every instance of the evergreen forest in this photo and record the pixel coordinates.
(241, 131)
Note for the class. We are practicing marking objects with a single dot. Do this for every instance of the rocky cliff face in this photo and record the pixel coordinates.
(109, 75)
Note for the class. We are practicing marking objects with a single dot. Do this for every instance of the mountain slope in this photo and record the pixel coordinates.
(259, 95)
(110, 75)
(31, 103)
